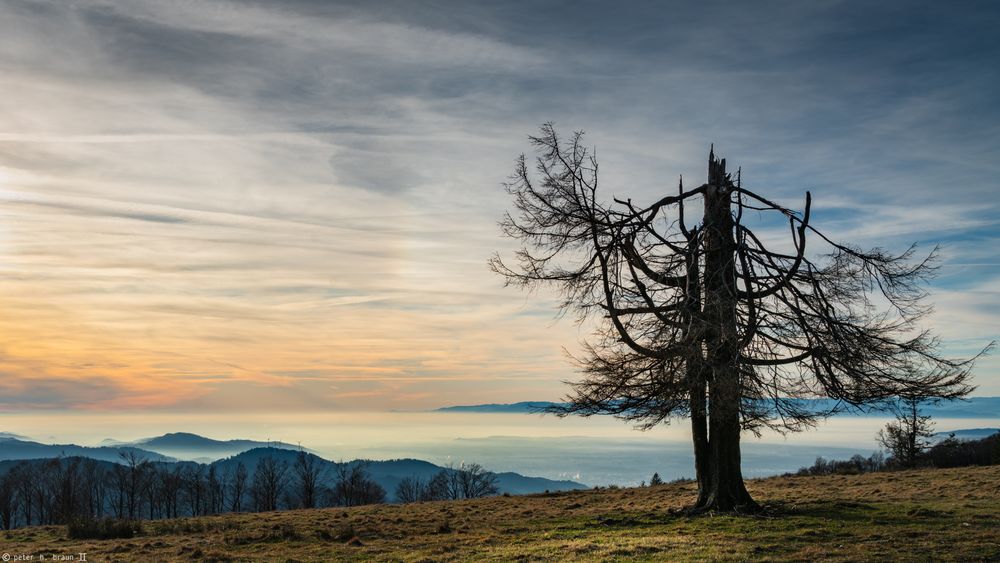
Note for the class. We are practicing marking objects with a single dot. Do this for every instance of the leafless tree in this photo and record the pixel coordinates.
(130, 478)
(26, 483)
(909, 435)
(154, 495)
(66, 489)
(171, 484)
(8, 500)
(238, 487)
(693, 313)
(354, 486)
(194, 488)
(476, 482)
(94, 484)
(269, 480)
(216, 490)
(440, 486)
(411, 489)
(454, 482)
(451, 483)
(308, 470)
(42, 491)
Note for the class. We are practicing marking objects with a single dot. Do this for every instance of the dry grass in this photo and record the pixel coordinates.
(929, 515)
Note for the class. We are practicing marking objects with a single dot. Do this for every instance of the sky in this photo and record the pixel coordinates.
(289, 206)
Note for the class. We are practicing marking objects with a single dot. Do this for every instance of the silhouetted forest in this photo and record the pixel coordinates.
(950, 452)
(69, 490)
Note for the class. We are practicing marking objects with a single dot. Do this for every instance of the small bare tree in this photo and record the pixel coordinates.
(238, 487)
(26, 483)
(129, 480)
(171, 485)
(411, 489)
(355, 487)
(216, 485)
(439, 487)
(308, 470)
(195, 489)
(907, 437)
(8, 500)
(269, 480)
(476, 482)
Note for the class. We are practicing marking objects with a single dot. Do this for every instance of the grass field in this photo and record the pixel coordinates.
(926, 515)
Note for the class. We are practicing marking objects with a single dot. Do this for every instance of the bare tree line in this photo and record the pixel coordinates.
(467, 481)
(57, 491)
(61, 490)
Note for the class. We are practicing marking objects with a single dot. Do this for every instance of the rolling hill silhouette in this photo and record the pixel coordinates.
(387, 473)
(14, 449)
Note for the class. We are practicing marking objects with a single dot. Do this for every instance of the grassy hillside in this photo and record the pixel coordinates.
(949, 514)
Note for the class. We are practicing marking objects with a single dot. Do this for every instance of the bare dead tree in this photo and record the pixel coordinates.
(171, 485)
(453, 481)
(194, 488)
(238, 486)
(269, 480)
(466, 481)
(355, 487)
(129, 479)
(67, 489)
(26, 483)
(43, 499)
(476, 482)
(411, 489)
(439, 487)
(706, 319)
(308, 470)
(216, 485)
(95, 487)
(909, 436)
(8, 500)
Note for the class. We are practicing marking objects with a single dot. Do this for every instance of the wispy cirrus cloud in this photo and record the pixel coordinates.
(216, 204)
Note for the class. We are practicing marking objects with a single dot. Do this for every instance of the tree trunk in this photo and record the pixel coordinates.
(699, 435)
(726, 489)
(695, 367)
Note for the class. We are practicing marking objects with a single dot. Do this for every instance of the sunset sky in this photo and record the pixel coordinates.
(211, 205)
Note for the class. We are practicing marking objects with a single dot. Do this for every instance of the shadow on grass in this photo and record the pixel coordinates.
(782, 529)
(779, 512)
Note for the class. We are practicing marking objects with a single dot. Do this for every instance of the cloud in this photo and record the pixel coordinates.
(92, 211)
(202, 202)
(23, 393)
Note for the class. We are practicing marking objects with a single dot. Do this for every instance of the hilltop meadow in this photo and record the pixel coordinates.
(930, 514)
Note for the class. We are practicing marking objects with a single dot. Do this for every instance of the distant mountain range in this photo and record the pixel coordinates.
(184, 445)
(967, 433)
(19, 447)
(388, 474)
(525, 407)
(973, 407)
